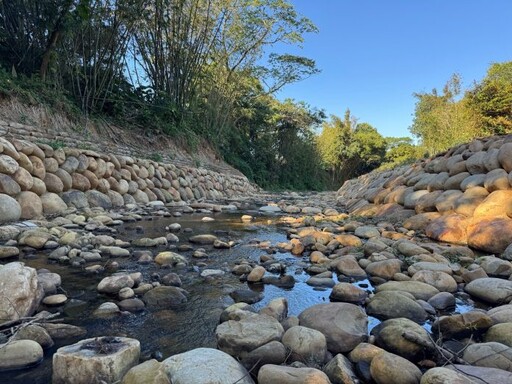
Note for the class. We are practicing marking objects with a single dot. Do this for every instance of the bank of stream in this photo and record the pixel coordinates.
(163, 332)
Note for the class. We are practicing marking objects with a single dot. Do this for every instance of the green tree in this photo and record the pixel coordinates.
(444, 120)
(349, 149)
(492, 99)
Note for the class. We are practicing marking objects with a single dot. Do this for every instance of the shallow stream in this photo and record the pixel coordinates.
(165, 332)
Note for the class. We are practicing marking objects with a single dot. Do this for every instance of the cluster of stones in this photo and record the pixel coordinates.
(462, 196)
(83, 239)
(37, 180)
(416, 281)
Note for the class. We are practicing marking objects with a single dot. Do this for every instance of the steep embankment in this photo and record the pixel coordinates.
(462, 196)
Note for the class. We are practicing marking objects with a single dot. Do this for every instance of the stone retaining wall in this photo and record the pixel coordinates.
(463, 196)
(36, 180)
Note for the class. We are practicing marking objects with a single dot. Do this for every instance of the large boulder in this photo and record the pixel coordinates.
(52, 203)
(391, 336)
(420, 290)
(492, 235)
(20, 292)
(393, 304)
(98, 199)
(205, 366)
(96, 360)
(18, 354)
(10, 209)
(387, 368)
(305, 344)
(491, 354)
(344, 325)
(491, 289)
(450, 228)
(149, 372)
(31, 205)
(76, 199)
(279, 374)
(251, 332)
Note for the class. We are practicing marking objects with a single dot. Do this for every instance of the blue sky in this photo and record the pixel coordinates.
(374, 54)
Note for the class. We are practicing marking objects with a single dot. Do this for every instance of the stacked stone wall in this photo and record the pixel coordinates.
(462, 196)
(37, 180)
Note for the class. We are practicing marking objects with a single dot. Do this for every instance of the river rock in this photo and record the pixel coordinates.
(36, 333)
(7, 251)
(59, 331)
(441, 375)
(490, 354)
(256, 274)
(19, 354)
(277, 308)
(106, 310)
(113, 284)
(393, 304)
(98, 199)
(75, 199)
(203, 239)
(52, 203)
(205, 366)
(421, 291)
(391, 335)
(246, 296)
(348, 293)
(10, 209)
(482, 375)
(340, 370)
(501, 333)
(385, 269)
(495, 266)
(31, 205)
(305, 344)
(344, 325)
(20, 292)
(490, 234)
(235, 337)
(55, 300)
(279, 374)
(387, 368)
(94, 360)
(490, 289)
(170, 258)
(149, 372)
(460, 325)
(270, 353)
(8, 185)
(439, 280)
(165, 297)
(348, 266)
(442, 301)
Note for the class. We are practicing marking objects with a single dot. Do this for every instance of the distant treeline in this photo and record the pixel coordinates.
(205, 70)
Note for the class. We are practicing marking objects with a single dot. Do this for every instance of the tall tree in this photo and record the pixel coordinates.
(492, 99)
(444, 120)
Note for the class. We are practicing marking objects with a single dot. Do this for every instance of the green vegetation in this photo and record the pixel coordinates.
(444, 120)
(204, 70)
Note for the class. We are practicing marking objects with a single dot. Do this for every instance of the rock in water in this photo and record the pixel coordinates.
(344, 325)
(20, 292)
(205, 366)
(96, 360)
(20, 354)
